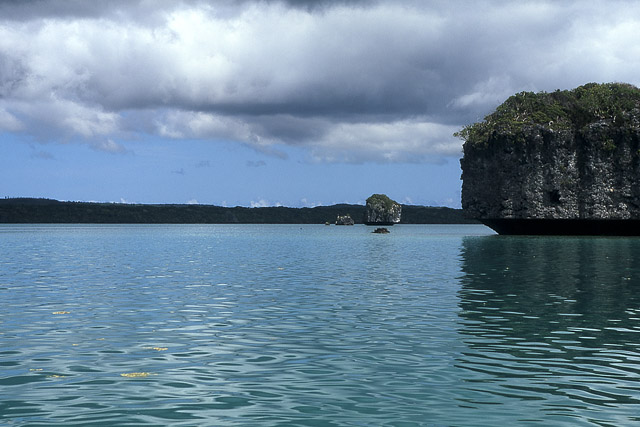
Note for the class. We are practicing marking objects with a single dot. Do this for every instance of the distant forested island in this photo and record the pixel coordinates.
(34, 210)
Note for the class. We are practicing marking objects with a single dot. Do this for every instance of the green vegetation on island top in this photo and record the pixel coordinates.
(381, 199)
(562, 110)
(31, 210)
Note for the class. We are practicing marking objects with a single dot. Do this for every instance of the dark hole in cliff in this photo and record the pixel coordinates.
(554, 197)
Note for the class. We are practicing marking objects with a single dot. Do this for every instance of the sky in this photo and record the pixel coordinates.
(275, 102)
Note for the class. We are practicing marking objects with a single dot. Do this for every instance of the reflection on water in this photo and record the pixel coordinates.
(555, 324)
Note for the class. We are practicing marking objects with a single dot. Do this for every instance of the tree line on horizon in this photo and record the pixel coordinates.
(33, 210)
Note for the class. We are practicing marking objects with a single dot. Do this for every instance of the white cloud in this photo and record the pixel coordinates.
(485, 94)
(262, 203)
(413, 140)
(201, 125)
(407, 201)
(385, 81)
(9, 122)
(402, 141)
(189, 124)
(305, 203)
(109, 146)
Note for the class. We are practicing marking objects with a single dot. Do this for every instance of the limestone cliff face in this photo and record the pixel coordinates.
(345, 220)
(564, 155)
(382, 210)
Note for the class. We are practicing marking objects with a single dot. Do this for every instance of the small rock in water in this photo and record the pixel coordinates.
(381, 230)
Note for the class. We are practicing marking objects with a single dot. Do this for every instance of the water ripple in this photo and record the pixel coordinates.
(279, 325)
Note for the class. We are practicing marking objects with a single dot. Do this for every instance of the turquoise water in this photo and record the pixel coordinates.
(262, 325)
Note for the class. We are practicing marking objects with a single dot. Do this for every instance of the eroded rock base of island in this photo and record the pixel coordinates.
(566, 227)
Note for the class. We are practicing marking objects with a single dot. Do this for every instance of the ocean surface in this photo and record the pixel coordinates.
(289, 325)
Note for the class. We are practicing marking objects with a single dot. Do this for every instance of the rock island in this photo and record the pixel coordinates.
(566, 162)
(381, 210)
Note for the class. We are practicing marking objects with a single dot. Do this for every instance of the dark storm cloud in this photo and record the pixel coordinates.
(350, 80)
(26, 10)
(315, 5)
(142, 10)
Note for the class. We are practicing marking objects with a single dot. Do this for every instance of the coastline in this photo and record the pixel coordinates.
(29, 211)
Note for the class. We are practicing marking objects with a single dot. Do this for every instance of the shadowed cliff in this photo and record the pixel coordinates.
(570, 155)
